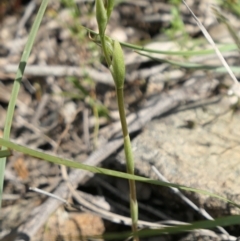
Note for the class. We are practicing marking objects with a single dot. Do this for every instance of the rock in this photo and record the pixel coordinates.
(73, 226)
(196, 146)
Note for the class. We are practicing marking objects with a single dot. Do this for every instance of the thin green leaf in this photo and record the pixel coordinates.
(186, 65)
(5, 153)
(16, 86)
(69, 163)
(235, 69)
(222, 48)
(224, 221)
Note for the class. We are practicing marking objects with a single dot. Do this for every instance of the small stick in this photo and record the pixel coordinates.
(188, 201)
(35, 189)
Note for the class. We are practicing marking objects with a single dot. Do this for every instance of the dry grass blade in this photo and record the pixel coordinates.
(236, 87)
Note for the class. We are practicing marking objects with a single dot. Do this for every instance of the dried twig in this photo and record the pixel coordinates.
(187, 200)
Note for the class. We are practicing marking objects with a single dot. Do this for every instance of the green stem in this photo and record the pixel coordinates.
(129, 161)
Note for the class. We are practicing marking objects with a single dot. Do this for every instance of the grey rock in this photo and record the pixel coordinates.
(196, 146)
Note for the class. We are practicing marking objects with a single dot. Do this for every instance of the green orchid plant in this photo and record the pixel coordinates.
(113, 54)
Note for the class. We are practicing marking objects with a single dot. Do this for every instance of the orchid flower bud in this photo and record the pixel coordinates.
(101, 15)
(118, 66)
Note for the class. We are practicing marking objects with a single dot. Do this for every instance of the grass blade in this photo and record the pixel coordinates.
(94, 169)
(16, 86)
(185, 53)
(5, 153)
(224, 221)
